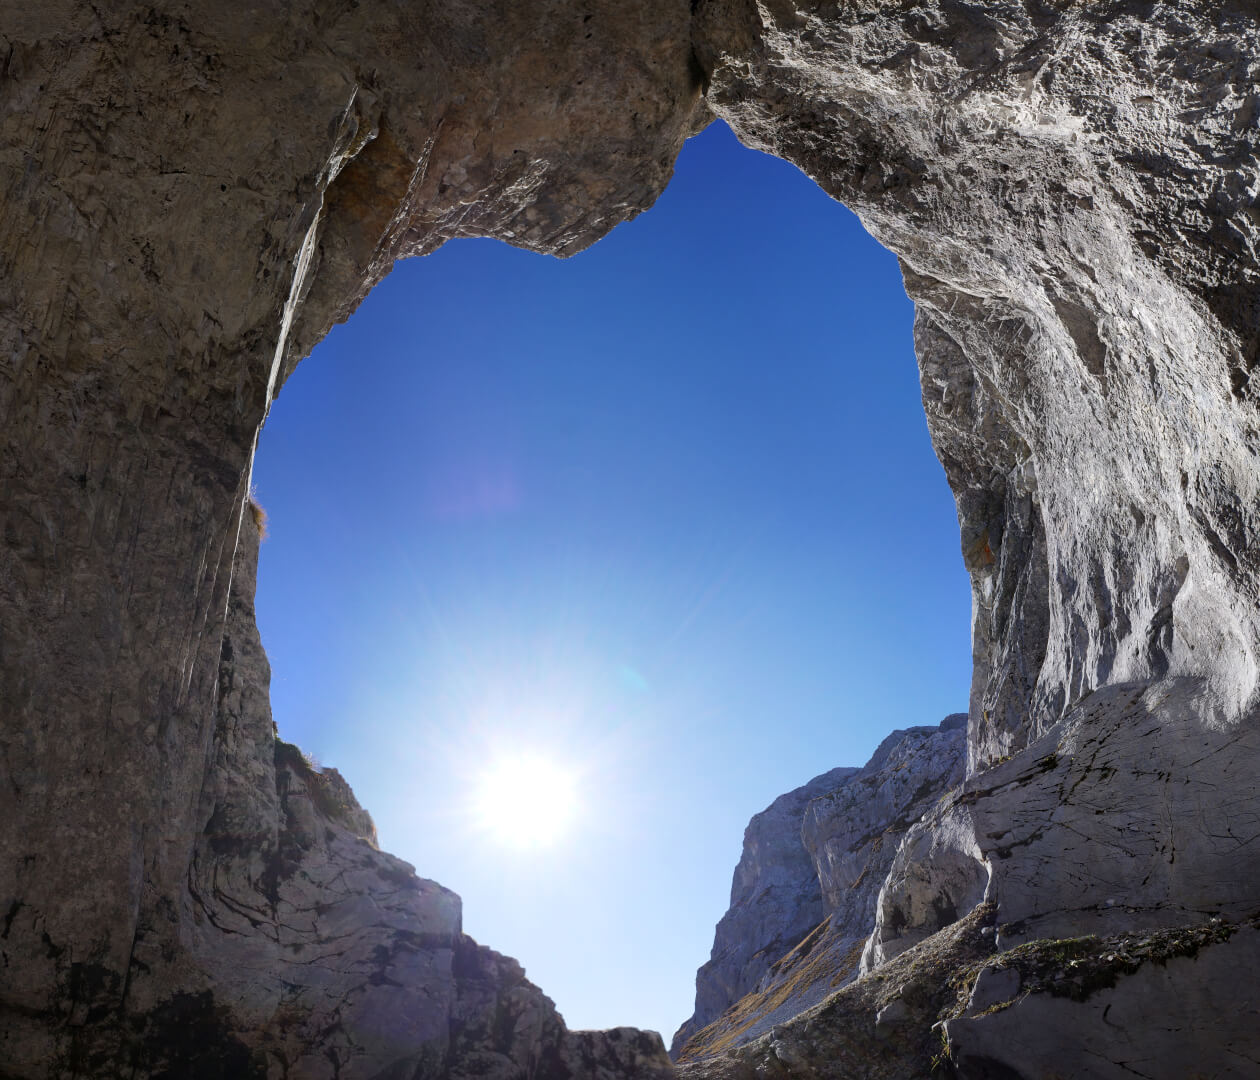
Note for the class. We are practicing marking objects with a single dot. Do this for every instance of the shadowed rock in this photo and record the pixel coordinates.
(190, 197)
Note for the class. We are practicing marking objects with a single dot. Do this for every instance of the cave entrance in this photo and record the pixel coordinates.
(666, 513)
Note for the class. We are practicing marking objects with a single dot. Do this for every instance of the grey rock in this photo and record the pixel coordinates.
(804, 893)
(334, 956)
(775, 902)
(1050, 887)
(1112, 821)
(1132, 1018)
(853, 832)
(841, 1036)
(891, 1016)
(1070, 189)
(190, 196)
(993, 986)
(325, 956)
(1083, 1009)
(296, 948)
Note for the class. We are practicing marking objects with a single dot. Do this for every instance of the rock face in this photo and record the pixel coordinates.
(775, 902)
(1119, 1008)
(803, 899)
(853, 831)
(1071, 190)
(1113, 807)
(190, 195)
(297, 948)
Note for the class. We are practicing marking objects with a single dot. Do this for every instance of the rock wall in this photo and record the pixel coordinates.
(803, 898)
(776, 901)
(1071, 190)
(296, 948)
(190, 195)
(971, 956)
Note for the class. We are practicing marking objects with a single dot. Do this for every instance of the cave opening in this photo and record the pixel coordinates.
(665, 512)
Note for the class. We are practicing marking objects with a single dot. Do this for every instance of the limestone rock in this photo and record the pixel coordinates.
(803, 899)
(1071, 191)
(1113, 1008)
(1088, 862)
(190, 195)
(503, 1028)
(298, 949)
(853, 831)
(775, 902)
(878, 1028)
(1162, 1004)
(1111, 821)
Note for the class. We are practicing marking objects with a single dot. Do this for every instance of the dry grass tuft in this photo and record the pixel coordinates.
(258, 514)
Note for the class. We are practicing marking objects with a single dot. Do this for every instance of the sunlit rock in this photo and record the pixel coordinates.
(776, 901)
(803, 899)
(1071, 191)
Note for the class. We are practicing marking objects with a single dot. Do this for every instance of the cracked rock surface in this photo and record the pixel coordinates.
(1115, 1008)
(1072, 192)
(1075, 911)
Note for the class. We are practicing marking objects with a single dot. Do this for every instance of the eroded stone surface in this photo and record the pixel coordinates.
(298, 949)
(1047, 1010)
(879, 1027)
(1100, 854)
(1071, 189)
(1108, 1009)
(1113, 819)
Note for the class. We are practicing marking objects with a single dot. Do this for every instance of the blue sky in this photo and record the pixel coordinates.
(664, 514)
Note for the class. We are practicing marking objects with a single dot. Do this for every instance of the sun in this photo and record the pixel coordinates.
(526, 801)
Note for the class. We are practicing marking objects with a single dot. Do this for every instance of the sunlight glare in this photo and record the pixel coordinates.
(526, 801)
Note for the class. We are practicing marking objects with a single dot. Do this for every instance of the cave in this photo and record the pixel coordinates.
(194, 197)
